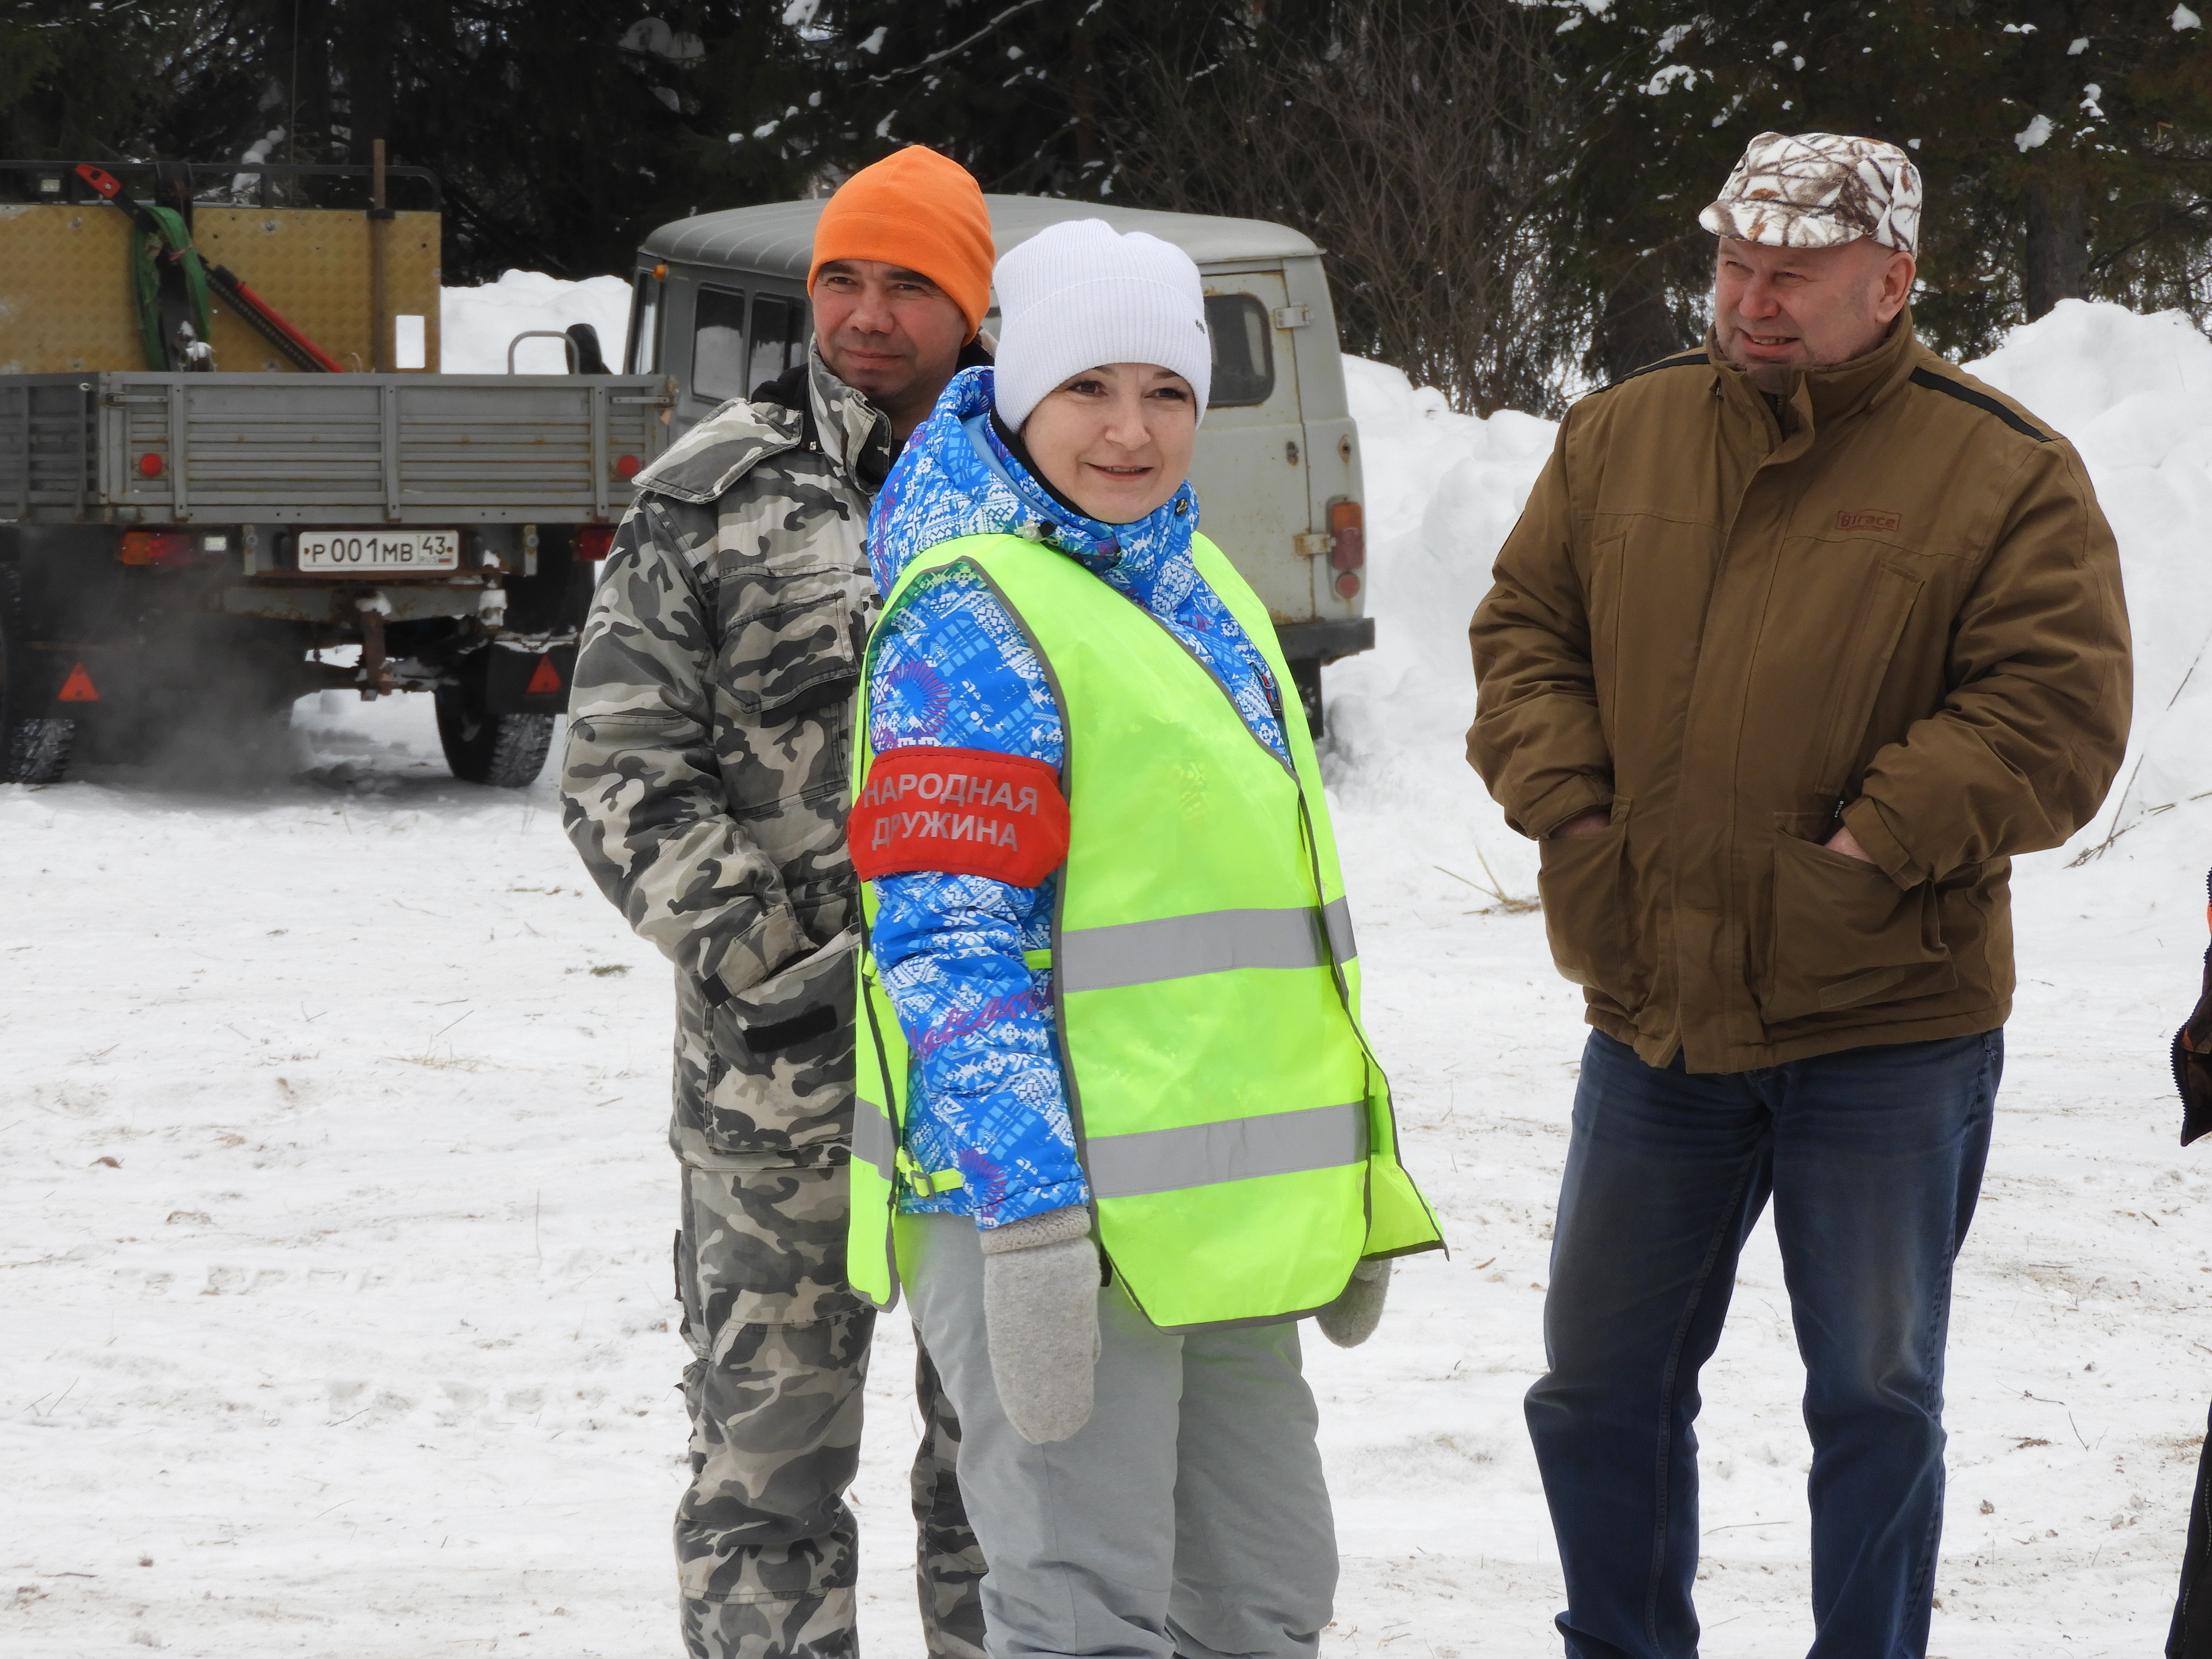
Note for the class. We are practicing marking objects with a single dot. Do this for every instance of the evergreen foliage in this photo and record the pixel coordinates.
(1508, 188)
(2064, 145)
(563, 130)
(1426, 136)
(1034, 97)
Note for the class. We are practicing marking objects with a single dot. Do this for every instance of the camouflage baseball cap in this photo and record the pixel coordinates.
(1819, 190)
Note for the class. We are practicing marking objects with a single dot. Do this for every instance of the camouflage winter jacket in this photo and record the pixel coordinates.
(708, 743)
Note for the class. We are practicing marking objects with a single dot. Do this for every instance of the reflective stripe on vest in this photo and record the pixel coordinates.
(1241, 1149)
(873, 1142)
(1211, 942)
(1233, 1129)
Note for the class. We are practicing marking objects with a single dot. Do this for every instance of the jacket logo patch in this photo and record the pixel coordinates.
(959, 812)
(1867, 519)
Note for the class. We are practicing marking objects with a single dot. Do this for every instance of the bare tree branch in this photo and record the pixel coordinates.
(1418, 145)
(956, 48)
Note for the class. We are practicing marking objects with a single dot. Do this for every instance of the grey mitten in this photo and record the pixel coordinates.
(1352, 1318)
(1041, 1321)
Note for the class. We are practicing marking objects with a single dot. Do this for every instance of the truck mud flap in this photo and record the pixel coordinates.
(529, 682)
(1327, 639)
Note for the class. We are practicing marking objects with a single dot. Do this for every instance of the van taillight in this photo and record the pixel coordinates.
(592, 541)
(1348, 535)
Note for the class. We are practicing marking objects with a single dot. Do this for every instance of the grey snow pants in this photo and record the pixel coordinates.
(1186, 1519)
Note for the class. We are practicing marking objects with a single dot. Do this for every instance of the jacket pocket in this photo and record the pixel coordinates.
(1846, 936)
(779, 1067)
(797, 655)
(1583, 882)
(785, 681)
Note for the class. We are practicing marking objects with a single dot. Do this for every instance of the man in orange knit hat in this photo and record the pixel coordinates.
(901, 277)
(705, 782)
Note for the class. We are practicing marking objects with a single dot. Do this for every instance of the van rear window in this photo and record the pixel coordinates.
(1243, 350)
(718, 346)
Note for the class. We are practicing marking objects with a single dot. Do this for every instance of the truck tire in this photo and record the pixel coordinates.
(38, 751)
(505, 751)
(33, 748)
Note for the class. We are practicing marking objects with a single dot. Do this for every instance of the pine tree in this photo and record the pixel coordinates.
(1034, 98)
(97, 78)
(1503, 245)
(2063, 145)
(563, 130)
(1414, 140)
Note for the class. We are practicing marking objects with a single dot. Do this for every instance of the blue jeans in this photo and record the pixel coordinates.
(1873, 1158)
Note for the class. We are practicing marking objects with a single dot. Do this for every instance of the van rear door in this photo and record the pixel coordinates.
(1250, 468)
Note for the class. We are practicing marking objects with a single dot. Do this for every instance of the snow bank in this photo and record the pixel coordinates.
(476, 323)
(2133, 393)
(1442, 491)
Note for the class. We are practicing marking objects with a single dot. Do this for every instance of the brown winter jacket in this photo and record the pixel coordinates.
(1896, 607)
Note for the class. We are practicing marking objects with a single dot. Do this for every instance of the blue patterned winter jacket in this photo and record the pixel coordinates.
(952, 671)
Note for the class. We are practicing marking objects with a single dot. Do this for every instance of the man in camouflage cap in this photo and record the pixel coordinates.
(1802, 636)
(706, 789)
(1817, 190)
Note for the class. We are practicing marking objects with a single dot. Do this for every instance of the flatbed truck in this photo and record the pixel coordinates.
(202, 545)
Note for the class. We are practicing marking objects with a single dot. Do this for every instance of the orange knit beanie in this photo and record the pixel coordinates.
(919, 209)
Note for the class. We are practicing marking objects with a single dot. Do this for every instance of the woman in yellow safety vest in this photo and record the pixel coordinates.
(1119, 1127)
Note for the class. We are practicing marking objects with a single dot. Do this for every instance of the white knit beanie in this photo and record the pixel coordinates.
(1078, 294)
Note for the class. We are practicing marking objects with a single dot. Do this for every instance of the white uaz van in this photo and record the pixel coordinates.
(720, 306)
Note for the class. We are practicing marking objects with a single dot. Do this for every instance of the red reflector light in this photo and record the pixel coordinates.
(78, 687)
(1347, 536)
(545, 679)
(1347, 584)
(159, 548)
(592, 541)
(626, 466)
(149, 465)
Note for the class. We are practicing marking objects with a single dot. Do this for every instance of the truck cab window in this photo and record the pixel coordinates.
(718, 346)
(644, 352)
(779, 336)
(1243, 352)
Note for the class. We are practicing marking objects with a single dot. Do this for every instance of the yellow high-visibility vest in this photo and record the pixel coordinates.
(1230, 1118)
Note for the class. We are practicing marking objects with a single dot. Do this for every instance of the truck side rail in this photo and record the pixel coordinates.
(46, 446)
(339, 449)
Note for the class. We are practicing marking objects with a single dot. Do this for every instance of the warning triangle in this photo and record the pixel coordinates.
(78, 687)
(544, 680)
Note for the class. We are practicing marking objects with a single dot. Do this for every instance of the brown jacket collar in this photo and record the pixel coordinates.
(1821, 397)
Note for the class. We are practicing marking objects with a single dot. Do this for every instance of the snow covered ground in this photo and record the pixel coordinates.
(334, 1266)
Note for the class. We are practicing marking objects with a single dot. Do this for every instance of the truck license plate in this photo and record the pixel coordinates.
(380, 549)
